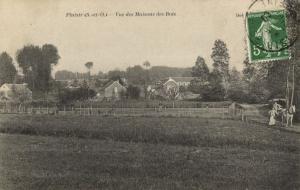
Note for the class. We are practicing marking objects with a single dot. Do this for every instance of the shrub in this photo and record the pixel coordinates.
(133, 92)
(70, 95)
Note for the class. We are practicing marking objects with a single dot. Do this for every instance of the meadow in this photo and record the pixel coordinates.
(92, 152)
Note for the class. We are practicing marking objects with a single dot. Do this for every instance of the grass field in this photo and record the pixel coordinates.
(77, 152)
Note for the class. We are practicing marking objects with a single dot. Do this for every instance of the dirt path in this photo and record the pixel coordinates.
(256, 113)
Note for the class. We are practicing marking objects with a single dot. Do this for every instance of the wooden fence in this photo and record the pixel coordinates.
(233, 112)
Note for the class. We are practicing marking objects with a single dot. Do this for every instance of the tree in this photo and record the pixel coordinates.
(136, 75)
(161, 72)
(115, 75)
(100, 75)
(201, 73)
(71, 95)
(65, 75)
(200, 70)
(248, 71)
(215, 90)
(255, 81)
(220, 59)
(198, 86)
(146, 64)
(29, 58)
(50, 58)
(133, 92)
(20, 94)
(236, 91)
(50, 54)
(7, 69)
(276, 79)
(37, 63)
(89, 66)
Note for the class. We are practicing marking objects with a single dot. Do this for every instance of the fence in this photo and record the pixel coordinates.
(153, 104)
(90, 110)
(233, 111)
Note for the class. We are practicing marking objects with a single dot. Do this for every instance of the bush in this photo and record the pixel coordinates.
(133, 92)
(70, 95)
(213, 94)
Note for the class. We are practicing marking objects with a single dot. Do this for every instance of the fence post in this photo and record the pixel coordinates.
(223, 112)
(80, 109)
(242, 115)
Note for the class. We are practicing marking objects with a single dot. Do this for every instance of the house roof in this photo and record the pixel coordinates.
(17, 87)
(177, 79)
(110, 83)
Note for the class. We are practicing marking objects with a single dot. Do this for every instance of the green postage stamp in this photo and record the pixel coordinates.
(267, 36)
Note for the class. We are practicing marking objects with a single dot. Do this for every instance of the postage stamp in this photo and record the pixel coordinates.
(267, 36)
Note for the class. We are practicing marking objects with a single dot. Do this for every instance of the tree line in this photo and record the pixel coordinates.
(256, 83)
(155, 72)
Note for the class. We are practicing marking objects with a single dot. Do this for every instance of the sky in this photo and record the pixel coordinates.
(116, 42)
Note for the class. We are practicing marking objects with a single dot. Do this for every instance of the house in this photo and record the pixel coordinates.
(15, 92)
(111, 90)
(170, 87)
(176, 81)
(183, 81)
(170, 84)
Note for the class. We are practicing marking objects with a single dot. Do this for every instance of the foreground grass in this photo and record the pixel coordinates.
(145, 153)
(173, 131)
(32, 162)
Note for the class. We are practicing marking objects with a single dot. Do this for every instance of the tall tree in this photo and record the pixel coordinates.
(136, 75)
(276, 78)
(50, 58)
(237, 86)
(292, 8)
(255, 81)
(37, 63)
(7, 69)
(29, 58)
(89, 66)
(146, 64)
(50, 54)
(200, 70)
(220, 59)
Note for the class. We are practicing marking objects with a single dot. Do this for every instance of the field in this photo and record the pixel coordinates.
(92, 152)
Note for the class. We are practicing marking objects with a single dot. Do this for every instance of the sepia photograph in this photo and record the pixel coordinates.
(150, 95)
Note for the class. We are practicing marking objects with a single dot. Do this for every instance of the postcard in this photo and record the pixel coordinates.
(160, 94)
